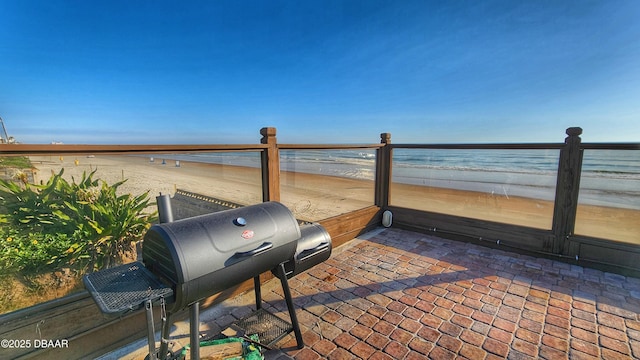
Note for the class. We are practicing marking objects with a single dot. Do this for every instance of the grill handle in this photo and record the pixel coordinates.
(308, 253)
(244, 255)
(260, 249)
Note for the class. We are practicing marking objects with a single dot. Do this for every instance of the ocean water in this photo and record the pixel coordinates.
(609, 177)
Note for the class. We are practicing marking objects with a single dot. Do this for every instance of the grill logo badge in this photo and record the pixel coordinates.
(247, 234)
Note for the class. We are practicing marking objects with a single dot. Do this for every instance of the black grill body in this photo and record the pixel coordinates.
(313, 248)
(204, 255)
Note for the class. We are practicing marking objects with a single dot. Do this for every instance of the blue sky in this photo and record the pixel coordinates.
(160, 72)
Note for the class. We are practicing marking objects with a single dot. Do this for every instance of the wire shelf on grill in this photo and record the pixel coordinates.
(267, 326)
(124, 288)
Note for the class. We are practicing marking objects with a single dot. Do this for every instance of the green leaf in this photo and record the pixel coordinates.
(95, 226)
(61, 215)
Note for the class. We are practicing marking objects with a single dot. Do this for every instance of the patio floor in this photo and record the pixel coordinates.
(395, 294)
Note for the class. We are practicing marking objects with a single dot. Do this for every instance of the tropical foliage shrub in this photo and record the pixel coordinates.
(84, 225)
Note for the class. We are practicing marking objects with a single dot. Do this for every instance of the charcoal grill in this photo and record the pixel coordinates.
(187, 260)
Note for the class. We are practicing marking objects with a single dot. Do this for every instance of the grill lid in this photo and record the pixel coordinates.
(203, 255)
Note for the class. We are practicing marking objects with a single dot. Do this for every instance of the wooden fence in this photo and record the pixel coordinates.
(77, 319)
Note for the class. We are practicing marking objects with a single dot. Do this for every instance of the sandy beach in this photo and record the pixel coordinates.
(309, 197)
(597, 221)
(316, 197)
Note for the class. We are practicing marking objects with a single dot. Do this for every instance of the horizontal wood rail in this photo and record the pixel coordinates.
(49, 149)
(328, 146)
(610, 146)
(523, 146)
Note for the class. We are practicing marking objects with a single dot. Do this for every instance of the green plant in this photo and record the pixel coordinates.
(32, 207)
(33, 252)
(110, 223)
(85, 224)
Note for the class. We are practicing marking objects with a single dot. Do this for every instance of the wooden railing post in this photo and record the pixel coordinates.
(383, 172)
(270, 165)
(567, 189)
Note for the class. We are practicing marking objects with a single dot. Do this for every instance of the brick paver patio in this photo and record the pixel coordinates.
(395, 294)
(405, 295)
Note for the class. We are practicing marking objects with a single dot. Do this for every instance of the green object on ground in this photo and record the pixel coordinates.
(249, 350)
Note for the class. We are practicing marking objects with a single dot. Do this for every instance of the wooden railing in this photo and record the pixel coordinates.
(560, 242)
(93, 334)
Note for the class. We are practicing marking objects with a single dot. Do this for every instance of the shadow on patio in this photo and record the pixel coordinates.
(395, 294)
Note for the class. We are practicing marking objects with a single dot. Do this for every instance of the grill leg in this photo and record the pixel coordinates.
(151, 338)
(292, 311)
(258, 292)
(164, 337)
(194, 329)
